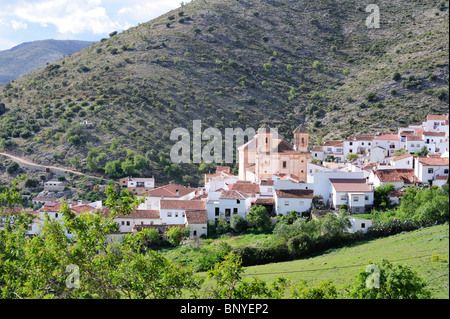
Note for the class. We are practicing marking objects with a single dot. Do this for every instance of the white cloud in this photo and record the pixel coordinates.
(144, 11)
(68, 16)
(18, 25)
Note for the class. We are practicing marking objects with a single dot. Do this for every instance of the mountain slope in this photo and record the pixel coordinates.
(236, 64)
(30, 56)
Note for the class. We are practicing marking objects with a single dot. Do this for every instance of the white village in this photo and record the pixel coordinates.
(307, 179)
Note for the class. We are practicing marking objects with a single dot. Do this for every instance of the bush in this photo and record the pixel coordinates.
(238, 224)
(31, 182)
(12, 168)
(371, 97)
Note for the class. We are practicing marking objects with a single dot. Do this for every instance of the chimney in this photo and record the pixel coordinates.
(177, 192)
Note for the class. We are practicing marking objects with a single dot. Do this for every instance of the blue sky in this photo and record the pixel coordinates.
(30, 20)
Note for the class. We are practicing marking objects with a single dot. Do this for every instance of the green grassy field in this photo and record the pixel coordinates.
(342, 265)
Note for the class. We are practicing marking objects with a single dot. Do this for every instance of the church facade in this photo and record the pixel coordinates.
(268, 153)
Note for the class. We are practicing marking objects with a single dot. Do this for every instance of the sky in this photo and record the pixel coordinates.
(89, 20)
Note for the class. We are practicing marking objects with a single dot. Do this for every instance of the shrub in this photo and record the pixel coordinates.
(238, 224)
(396, 76)
(12, 168)
(371, 97)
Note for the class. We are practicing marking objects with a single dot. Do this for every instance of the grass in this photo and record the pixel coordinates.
(341, 266)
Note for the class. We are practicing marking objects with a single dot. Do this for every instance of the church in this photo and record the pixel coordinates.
(268, 153)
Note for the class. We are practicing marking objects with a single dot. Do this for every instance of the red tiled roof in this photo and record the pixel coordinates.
(350, 185)
(388, 137)
(197, 216)
(397, 175)
(295, 193)
(398, 158)
(334, 143)
(434, 161)
(144, 214)
(169, 190)
(442, 177)
(265, 201)
(414, 138)
(248, 188)
(233, 194)
(434, 133)
(182, 204)
(436, 118)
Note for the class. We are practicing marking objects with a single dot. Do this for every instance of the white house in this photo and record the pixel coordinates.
(378, 154)
(390, 142)
(433, 141)
(356, 193)
(403, 161)
(138, 218)
(173, 212)
(170, 191)
(437, 123)
(400, 178)
(359, 224)
(298, 200)
(358, 144)
(317, 153)
(230, 202)
(54, 186)
(427, 168)
(197, 221)
(414, 143)
(334, 148)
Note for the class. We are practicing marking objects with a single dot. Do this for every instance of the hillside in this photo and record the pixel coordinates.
(233, 64)
(30, 56)
(341, 266)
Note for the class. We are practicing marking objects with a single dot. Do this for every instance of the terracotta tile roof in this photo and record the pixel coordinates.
(295, 193)
(265, 201)
(233, 194)
(437, 118)
(398, 158)
(267, 182)
(387, 137)
(414, 138)
(434, 161)
(434, 133)
(397, 175)
(144, 214)
(361, 137)
(350, 185)
(51, 207)
(397, 193)
(182, 204)
(245, 187)
(169, 190)
(442, 177)
(334, 143)
(317, 149)
(197, 216)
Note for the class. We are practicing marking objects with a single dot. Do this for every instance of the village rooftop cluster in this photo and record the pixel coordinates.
(285, 177)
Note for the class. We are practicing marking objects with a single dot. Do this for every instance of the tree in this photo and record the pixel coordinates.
(333, 225)
(422, 152)
(175, 235)
(352, 157)
(381, 195)
(258, 218)
(113, 168)
(238, 224)
(12, 168)
(140, 162)
(385, 280)
(128, 167)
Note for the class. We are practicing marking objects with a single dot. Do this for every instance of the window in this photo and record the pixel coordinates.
(350, 151)
(363, 225)
(351, 143)
(367, 197)
(169, 214)
(284, 164)
(343, 197)
(183, 215)
(123, 223)
(356, 199)
(56, 215)
(238, 201)
(235, 211)
(176, 214)
(286, 203)
(217, 211)
(446, 171)
(430, 171)
(227, 212)
(128, 223)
